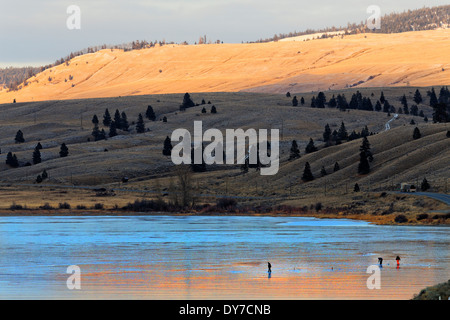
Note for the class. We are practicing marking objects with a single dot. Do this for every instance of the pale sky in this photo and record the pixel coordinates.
(34, 32)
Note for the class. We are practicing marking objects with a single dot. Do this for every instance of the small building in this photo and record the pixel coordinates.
(407, 187)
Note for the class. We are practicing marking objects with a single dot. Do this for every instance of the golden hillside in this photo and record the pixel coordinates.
(368, 60)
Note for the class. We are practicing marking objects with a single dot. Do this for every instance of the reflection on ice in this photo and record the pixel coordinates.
(176, 257)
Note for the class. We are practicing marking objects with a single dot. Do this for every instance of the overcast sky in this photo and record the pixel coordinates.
(34, 32)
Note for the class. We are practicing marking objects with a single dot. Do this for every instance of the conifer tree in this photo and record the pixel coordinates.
(36, 156)
(342, 133)
(213, 109)
(187, 101)
(95, 119)
(433, 98)
(294, 101)
(118, 119)
(44, 174)
(336, 167)
(417, 97)
(150, 114)
(302, 101)
(323, 171)
(382, 98)
(124, 122)
(425, 185)
(96, 132)
(19, 137)
(310, 147)
(64, 151)
(39, 179)
(39, 146)
(327, 135)
(307, 174)
(140, 126)
(167, 151)
(356, 188)
(364, 156)
(112, 129)
(416, 134)
(107, 118)
(203, 110)
(295, 151)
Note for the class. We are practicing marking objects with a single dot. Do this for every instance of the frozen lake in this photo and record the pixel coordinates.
(175, 257)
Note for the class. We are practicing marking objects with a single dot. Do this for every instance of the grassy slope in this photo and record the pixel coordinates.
(376, 60)
(397, 157)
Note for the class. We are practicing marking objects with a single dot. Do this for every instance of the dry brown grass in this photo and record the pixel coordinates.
(376, 60)
(398, 158)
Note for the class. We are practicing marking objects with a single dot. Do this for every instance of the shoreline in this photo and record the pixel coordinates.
(376, 220)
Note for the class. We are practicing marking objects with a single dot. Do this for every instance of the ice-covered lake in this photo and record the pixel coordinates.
(216, 257)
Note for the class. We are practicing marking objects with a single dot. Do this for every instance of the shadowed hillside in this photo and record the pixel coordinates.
(397, 156)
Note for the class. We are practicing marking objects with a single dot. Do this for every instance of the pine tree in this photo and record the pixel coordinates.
(327, 135)
(187, 101)
(433, 98)
(364, 156)
(295, 101)
(288, 94)
(36, 156)
(107, 118)
(448, 134)
(332, 103)
(356, 188)
(302, 101)
(425, 185)
(213, 109)
(96, 132)
(140, 126)
(124, 122)
(39, 179)
(417, 97)
(112, 129)
(19, 137)
(118, 119)
(167, 151)
(64, 151)
(295, 151)
(39, 146)
(14, 162)
(44, 175)
(342, 133)
(307, 174)
(323, 171)
(416, 134)
(382, 99)
(310, 147)
(336, 167)
(150, 114)
(95, 119)
(203, 110)
(378, 106)
(164, 119)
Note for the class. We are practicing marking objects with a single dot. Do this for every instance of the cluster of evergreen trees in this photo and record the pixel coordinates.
(441, 105)
(120, 122)
(12, 161)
